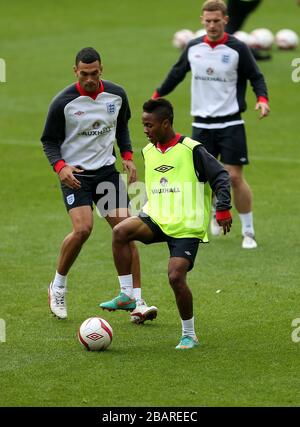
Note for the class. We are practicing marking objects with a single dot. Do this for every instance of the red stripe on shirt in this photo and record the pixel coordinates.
(90, 94)
(213, 44)
(171, 143)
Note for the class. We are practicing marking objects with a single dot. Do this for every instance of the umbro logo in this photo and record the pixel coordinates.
(79, 113)
(94, 336)
(164, 168)
(187, 253)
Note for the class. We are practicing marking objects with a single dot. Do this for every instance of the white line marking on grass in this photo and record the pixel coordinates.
(20, 142)
(275, 159)
(269, 159)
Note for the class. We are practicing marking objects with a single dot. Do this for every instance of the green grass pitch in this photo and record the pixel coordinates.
(246, 356)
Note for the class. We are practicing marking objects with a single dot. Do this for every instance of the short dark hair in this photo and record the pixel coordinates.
(87, 55)
(161, 107)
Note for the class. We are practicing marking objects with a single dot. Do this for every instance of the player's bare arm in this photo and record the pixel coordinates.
(129, 167)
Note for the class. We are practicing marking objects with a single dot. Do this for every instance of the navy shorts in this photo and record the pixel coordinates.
(179, 247)
(229, 144)
(103, 187)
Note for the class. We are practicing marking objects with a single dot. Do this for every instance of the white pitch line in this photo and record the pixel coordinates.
(275, 159)
(20, 142)
(270, 159)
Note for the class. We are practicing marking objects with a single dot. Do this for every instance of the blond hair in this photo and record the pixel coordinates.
(214, 5)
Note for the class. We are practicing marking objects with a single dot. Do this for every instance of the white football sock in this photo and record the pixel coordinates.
(137, 293)
(188, 327)
(126, 284)
(59, 282)
(247, 223)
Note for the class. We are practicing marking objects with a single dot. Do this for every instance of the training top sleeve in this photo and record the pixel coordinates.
(176, 74)
(249, 69)
(54, 132)
(209, 169)
(122, 131)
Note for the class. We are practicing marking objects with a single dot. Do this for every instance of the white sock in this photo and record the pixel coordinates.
(247, 223)
(59, 282)
(188, 327)
(126, 284)
(137, 293)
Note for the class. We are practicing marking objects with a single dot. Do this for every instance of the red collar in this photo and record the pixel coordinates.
(212, 44)
(164, 147)
(93, 94)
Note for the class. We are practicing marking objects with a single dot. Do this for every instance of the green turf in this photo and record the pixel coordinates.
(246, 356)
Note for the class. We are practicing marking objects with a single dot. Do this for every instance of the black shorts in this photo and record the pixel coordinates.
(103, 187)
(228, 144)
(178, 247)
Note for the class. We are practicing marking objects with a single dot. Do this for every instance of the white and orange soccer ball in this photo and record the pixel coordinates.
(242, 36)
(286, 39)
(181, 38)
(261, 38)
(200, 33)
(95, 334)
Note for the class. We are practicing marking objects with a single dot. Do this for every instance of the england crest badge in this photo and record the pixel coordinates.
(111, 108)
(70, 199)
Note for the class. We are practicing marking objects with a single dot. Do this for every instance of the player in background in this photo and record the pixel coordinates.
(78, 139)
(221, 65)
(238, 11)
(179, 176)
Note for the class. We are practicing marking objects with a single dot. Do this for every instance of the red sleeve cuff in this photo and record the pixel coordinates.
(223, 215)
(155, 95)
(263, 99)
(59, 165)
(127, 155)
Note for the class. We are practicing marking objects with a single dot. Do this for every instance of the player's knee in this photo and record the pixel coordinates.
(83, 232)
(120, 234)
(176, 280)
(236, 179)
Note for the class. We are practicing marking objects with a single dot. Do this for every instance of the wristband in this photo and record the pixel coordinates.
(263, 99)
(59, 165)
(155, 95)
(126, 155)
(222, 215)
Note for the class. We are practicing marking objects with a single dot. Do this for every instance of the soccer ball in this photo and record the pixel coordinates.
(261, 38)
(181, 38)
(286, 39)
(95, 334)
(242, 36)
(199, 33)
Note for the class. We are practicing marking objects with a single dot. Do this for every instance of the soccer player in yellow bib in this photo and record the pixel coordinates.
(179, 177)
